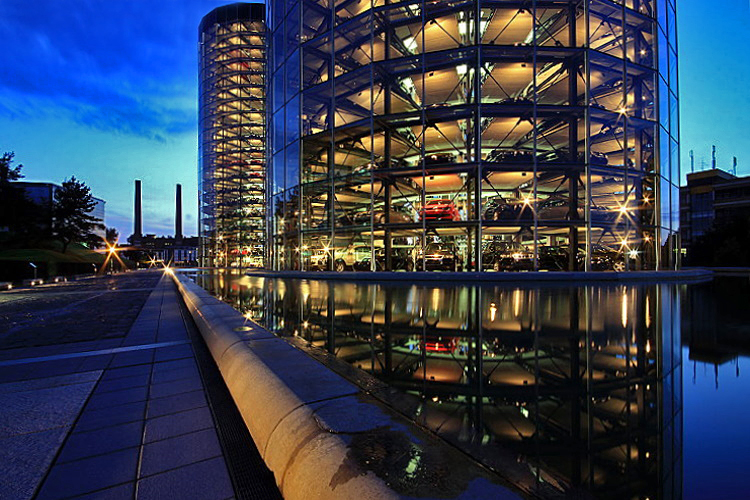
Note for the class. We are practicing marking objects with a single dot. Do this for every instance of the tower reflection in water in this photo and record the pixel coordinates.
(563, 390)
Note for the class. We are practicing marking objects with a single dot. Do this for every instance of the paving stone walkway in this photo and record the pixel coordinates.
(97, 414)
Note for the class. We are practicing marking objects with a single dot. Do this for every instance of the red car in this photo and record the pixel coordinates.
(440, 344)
(440, 210)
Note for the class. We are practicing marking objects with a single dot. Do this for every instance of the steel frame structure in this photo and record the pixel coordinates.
(548, 125)
(232, 136)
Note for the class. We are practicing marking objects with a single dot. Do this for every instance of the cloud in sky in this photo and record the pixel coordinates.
(128, 67)
(106, 91)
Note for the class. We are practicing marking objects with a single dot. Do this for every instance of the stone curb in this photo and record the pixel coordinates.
(322, 436)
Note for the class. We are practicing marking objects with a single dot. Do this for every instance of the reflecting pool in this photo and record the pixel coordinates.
(567, 391)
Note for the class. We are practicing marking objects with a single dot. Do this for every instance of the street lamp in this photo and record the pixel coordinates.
(111, 251)
(111, 255)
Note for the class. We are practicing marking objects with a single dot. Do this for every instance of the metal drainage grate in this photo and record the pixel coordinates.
(250, 477)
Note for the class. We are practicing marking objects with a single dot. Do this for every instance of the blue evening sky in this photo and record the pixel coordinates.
(107, 91)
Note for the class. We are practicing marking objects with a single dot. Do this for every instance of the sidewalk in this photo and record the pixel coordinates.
(103, 398)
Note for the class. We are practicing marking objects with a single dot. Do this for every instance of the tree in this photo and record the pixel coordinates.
(111, 235)
(21, 220)
(11, 198)
(71, 218)
(725, 244)
(8, 174)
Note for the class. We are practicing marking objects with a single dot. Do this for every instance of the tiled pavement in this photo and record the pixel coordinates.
(110, 422)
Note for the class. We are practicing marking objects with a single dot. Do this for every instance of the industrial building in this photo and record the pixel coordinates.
(176, 250)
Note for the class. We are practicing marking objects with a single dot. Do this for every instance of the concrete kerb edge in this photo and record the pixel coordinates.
(242, 370)
(308, 451)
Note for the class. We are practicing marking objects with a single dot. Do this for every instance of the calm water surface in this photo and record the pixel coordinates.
(615, 391)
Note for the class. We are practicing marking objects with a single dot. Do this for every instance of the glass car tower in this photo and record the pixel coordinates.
(232, 144)
(473, 135)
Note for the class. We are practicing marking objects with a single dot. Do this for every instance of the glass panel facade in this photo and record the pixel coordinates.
(476, 136)
(232, 137)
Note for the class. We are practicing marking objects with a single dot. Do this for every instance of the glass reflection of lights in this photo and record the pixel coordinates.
(530, 381)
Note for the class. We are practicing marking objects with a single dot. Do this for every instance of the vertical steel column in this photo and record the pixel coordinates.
(587, 111)
(477, 132)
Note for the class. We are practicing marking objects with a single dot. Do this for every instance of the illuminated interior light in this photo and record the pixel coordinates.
(461, 69)
(410, 43)
(623, 110)
(462, 27)
(647, 238)
(633, 254)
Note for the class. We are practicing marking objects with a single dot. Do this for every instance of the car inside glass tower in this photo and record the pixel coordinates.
(473, 135)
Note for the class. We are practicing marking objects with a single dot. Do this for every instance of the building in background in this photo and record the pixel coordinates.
(169, 250)
(173, 250)
(232, 136)
(712, 197)
(476, 135)
(43, 195)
